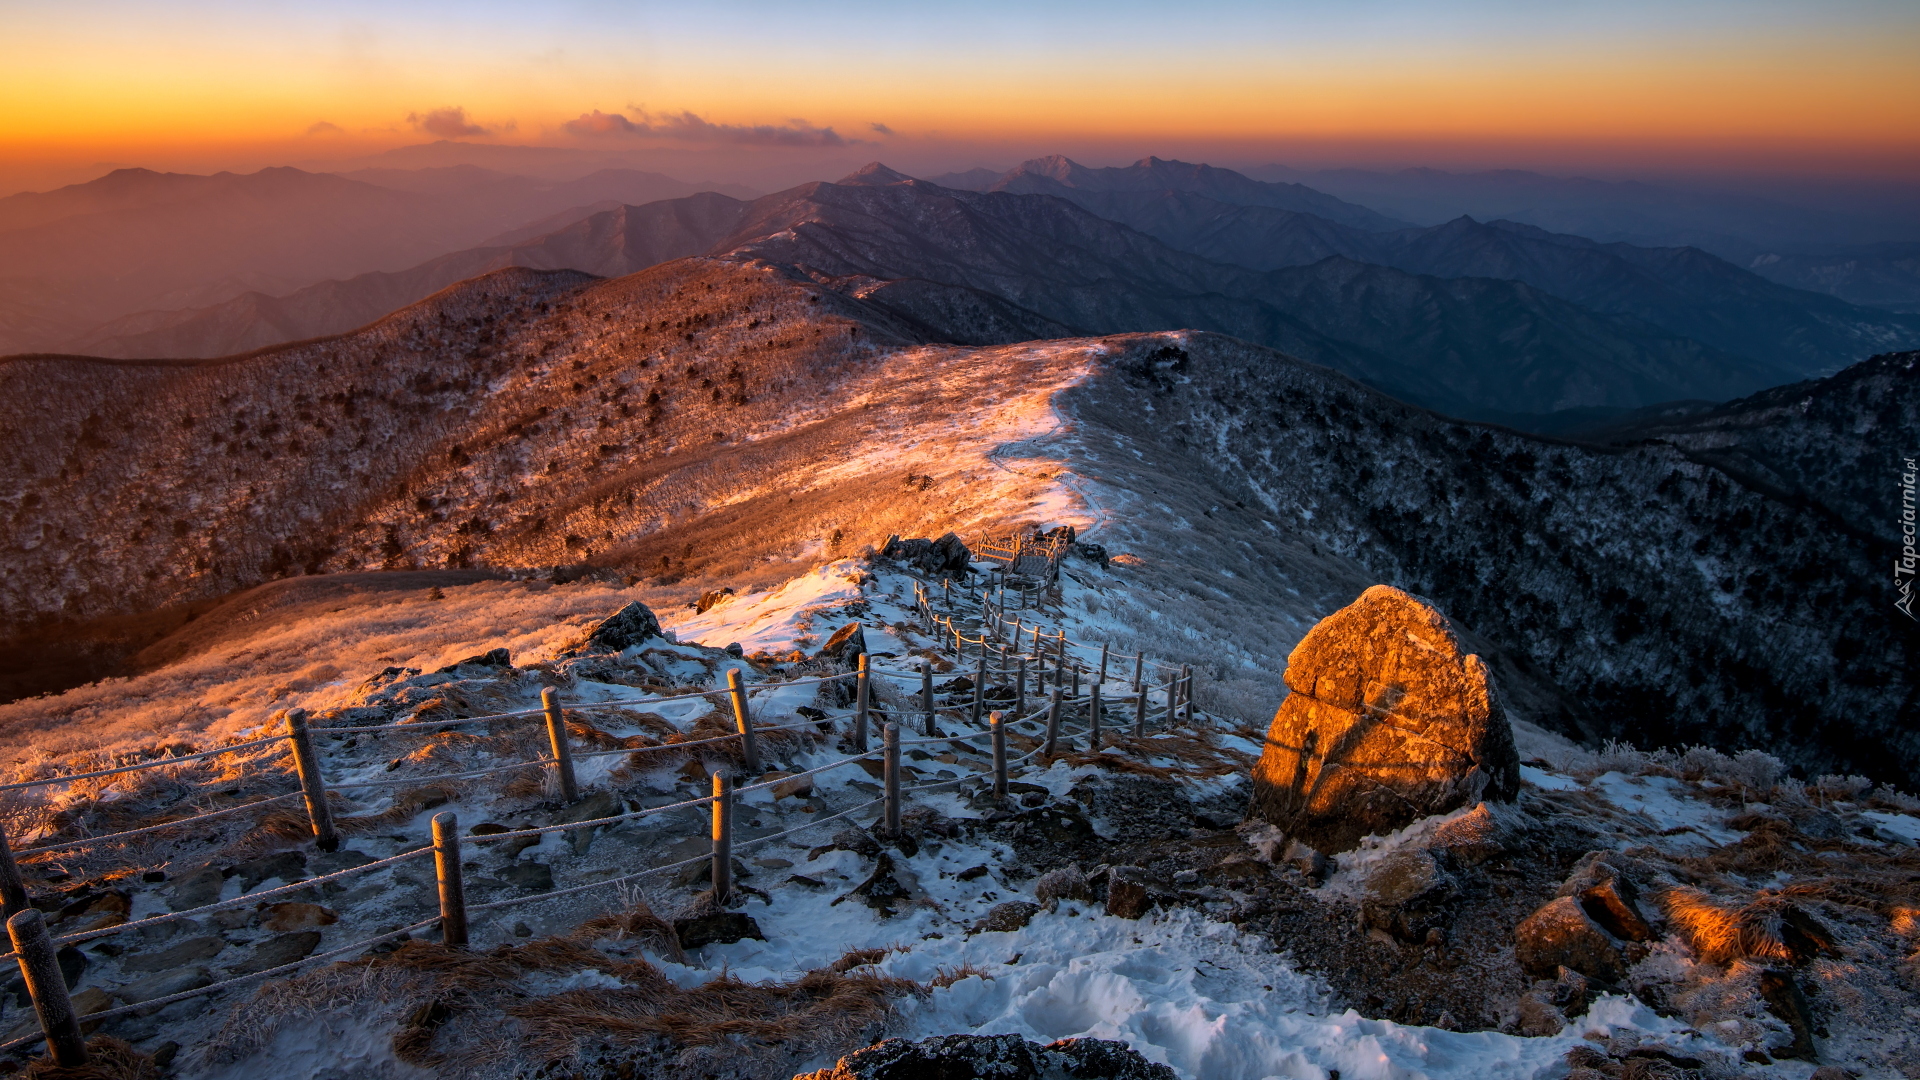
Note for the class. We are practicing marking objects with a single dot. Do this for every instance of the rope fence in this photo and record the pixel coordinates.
(35, 949)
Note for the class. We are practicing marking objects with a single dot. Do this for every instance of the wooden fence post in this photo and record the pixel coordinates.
(861, 690)
(999, 755)
(311, 785)
(946, 593)
(979, 690)
(40, 968)
(1186, 694)
(13, 891)
(453, 889)
(1060, 659)
(1139, 711)
(892, 778)
(1173, 699)
(1076, 680)
(722, 837)
(926, 693)
(1093, 715)
(1053, 722)
(743, 720)
(1139, 665)
(1020, 688)
(562, 748)
(1103, 662)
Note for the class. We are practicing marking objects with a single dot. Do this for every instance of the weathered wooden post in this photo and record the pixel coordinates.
(562, 748)
(1139, 712)
(453, 889)
(1093, 715)
(892, 778)
(1186, 694)
(311, 785)
(40, 968)
(926, 693)
(13, 890)
(1076, 680)
(1103, 662)
(1020, 688)
(1139, 666)
(1060, 658)
(743, 720)
(722, 837)
(1173, 700)
(979, 689)
(946, 593)
(861, 689)
(999, 755)
(1053, 722)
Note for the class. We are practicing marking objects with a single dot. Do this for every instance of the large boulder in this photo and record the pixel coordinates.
(1387, 721)
(946, 557)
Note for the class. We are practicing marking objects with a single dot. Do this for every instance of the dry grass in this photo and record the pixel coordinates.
(1769, 928)
(463, 1011)
(109, 1059)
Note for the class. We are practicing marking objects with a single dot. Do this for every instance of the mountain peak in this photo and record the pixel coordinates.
(873, 174)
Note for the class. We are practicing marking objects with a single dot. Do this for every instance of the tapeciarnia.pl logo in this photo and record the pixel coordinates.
(1903, 567)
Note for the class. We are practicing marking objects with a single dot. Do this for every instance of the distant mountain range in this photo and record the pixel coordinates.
(1498, 320)
(134, 241)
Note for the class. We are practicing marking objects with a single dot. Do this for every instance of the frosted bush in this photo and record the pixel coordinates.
(1756, 771)
(1701, 762)
(1835, 788)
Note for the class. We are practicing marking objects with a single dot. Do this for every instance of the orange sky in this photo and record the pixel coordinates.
(1753, 85)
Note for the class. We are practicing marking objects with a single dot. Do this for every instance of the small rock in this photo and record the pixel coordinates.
(804, 880)
(521, 929)
(488, 828)
(185, 952)
(711, 599)
(720, 927)
(91, 1000)
(332, 862)
(154, 877)
(700, 874)
(288, 866)
(1561, 934)
(972, 873)
(1609, 898)
(1127, 896)
(846, 645)
(284, 917)
(1787, 1001)
(492, 658)
(1537, 1018)
(881, 891)
(528, 877)
(790, 787)
(1408, 893)
(1472, 838)
(164, 984)
(284, 949)
(1269, 844)
(1306, 860)
(198, 889)
(999, 1057)
(1007, 917)
(774, 864)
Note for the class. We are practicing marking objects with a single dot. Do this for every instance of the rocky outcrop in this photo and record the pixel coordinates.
(946, 557)
(622, 630)
(1387, 721)
(993, 1057)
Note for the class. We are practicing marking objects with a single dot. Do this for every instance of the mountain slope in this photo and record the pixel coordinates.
(719, 421)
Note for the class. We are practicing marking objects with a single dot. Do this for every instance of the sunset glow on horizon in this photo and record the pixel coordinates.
(1768, 87)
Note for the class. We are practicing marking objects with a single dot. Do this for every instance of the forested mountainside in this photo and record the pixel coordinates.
(1675, 599)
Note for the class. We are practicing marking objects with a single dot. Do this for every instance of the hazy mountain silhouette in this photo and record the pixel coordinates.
(136, 240)
(1684, 291)
(1105, 189)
